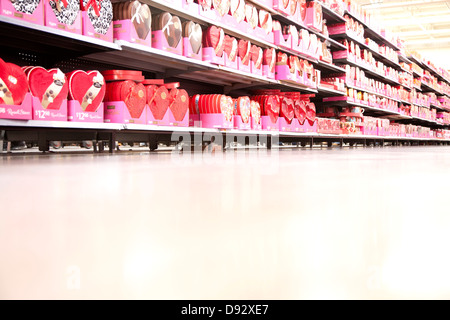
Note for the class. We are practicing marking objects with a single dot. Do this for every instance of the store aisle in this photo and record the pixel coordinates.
(295, 224)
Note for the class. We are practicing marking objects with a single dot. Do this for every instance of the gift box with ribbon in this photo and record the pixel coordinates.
(192, 40)
(97, 19)
(133, 23)
(27, 10)
(167, 33)
(63, 15)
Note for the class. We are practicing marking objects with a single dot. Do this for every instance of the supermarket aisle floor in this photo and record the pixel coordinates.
(298, 224)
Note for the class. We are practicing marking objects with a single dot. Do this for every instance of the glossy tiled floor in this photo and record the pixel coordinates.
(360, 223)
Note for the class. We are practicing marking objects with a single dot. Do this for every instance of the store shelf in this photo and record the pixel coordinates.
(60, 124)
(300, 55)
(148, 59)
(403, 58)
(263, 6)
(426, 122)
(331, 16)
(369, 109)
(330, 92)
(428, 68)
(17, 33)
(368, 71)
(438, 107)
(371, 92)
(416, 74)
(362, 45)
(406, 87)
(427, 88)
(330, 67)
(397, 117)
(290, 21)
(371, 33)
(180, 12)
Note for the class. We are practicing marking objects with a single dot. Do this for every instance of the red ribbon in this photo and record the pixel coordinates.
(93, 4)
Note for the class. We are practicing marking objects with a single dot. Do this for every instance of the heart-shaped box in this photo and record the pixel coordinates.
(179, 108)
(257, 58)
(231, 52)
(97, 19)
(63, 15)
(128, 102)
(168, 33)
(22, 111)
(27, 10)
(282, 6)
(255, 115)
(88, 88)
(244, 56)
(13, 83)
(206, 10)
(217, 111)
(269, 61)
(192, 40)
(242, 117)
(157, 105)
(314, 17)
(271, 106)
(222, 7)
(302, 6)
(134, 24)
(313, 46)
(194, 112)
(286, 114)
(300, 111)
(117, 112)
(50, 87)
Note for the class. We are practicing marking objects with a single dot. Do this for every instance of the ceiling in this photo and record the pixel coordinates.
(424, 25)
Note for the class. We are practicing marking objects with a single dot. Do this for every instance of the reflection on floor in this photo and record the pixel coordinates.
(367, 223)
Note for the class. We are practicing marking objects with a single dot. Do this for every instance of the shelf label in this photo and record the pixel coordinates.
(82, 115)
(42, 113)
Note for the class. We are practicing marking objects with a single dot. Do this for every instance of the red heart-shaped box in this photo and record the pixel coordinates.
(300, 110)
(135, 97)
(244, 51)
(179, 106)
(215, 38)
(49, 86)
(88, 88)
(13, 84)
(287, 109)
(243, 108)
(272, 106)
(231, 47)
(159, 103)
(133, 94)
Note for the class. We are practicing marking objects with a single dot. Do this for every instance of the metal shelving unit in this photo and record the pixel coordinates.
(56, 45)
